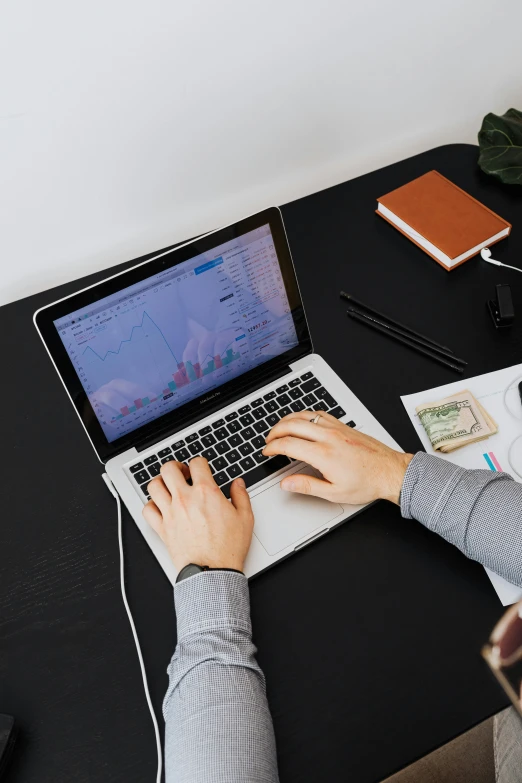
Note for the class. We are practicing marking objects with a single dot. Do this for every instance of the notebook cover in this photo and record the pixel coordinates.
(444, 214)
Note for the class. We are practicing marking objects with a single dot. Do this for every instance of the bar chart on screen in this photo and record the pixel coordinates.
(177, 335)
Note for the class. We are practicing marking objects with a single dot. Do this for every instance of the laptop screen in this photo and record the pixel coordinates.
(173, 337)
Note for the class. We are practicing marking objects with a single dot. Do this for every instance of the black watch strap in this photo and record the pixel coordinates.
(192, 569)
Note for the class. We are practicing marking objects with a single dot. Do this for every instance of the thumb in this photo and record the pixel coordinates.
(307, 485)
(240, 497)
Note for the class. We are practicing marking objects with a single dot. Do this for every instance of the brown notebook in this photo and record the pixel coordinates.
(445, 221)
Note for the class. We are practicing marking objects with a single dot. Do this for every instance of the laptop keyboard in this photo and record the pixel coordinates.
(233, 445)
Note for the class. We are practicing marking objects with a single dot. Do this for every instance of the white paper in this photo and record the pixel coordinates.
(490, 389)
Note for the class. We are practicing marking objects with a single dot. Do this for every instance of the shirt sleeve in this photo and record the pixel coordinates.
(218, 727)
(480, 511)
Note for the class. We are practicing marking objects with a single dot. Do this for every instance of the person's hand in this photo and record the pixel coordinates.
(197, 523)
(356, 468)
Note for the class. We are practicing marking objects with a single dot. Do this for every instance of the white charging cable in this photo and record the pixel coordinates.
(506, 406)
(485, 254)
(113, 492)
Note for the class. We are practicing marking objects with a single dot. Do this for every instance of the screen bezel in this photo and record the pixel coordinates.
(194, 410)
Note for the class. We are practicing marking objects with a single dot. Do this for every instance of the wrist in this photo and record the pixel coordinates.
(192, 569)
(395, 477)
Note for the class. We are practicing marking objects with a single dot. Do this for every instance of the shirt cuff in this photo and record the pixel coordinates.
(211, 600)
(427, 484)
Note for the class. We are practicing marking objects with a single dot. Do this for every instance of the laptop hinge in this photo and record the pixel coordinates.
(186, 421)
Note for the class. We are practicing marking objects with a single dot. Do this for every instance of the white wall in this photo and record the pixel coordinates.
(125, 125)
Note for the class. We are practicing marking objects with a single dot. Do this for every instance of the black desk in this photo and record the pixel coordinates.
(369, 638)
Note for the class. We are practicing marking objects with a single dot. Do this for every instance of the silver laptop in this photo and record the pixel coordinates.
(200, 351)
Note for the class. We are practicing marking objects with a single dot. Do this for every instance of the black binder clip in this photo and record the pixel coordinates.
(501, 309)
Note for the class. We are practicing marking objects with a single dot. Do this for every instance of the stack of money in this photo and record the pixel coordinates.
(455, 421)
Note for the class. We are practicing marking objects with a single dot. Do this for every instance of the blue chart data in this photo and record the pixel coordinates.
(177, 335)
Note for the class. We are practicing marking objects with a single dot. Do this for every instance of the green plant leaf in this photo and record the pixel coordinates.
(500, 142)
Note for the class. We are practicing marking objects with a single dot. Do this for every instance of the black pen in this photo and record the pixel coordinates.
(398, 324)
(449, 356)
(385, 329)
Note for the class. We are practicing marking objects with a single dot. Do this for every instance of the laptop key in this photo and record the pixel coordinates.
(170, 458)
(155, 469)
(260, 457)
(205, 430)
(221, 433)
(281, 389)
(220, 463)
(271, 406)
(322, 394)
(297, 406)
(246, 420)
(246, 449)
(233, 456)
(222, 447)
(234, 426)
(259, 413)
(351, 424)
(257, 403)
(248, 433)
(259, 442)
(182, 455)
(261, 426)
(235, 440)
(218, 423)
(295, 382)
(196, 447)
(284, 411)
(138, 466)
(234, 471)
(272, 419)
(208, 441)
(141, 476)
(145, 489)
(307, 376)
(295, 393)
(247, 463)
(244, 409)
(309, 400)
(270, 396)
(283, 399)
(221, 478)
(310, 385)
(164, 452)
(192, 438)
(321, 406)
(260, 472)
(209, 454)
(178, 444)
(231, 416)
(337, 412)
(150, 460)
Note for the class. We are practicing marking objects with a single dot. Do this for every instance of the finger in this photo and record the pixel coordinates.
(307, 485)
(240, 497)
(298, 428)
(152, 515)
(307, 415)
(160, 494)
(200, 471)
(174, 477)
(296, 448)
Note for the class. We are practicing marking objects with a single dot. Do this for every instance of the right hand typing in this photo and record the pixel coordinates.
(355, 467)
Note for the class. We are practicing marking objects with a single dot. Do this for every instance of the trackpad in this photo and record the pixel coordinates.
(283, 518)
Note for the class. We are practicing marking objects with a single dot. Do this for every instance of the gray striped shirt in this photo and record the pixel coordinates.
(218, 725)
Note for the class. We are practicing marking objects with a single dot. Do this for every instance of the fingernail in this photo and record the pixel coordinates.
(288, 485)
(240, 483)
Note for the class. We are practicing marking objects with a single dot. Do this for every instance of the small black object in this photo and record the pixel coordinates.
(7, 740)
(501, 309)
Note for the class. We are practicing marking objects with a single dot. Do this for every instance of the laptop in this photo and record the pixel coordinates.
(201, 350)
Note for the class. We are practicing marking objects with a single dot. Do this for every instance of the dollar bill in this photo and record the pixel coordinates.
(455, 421)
